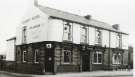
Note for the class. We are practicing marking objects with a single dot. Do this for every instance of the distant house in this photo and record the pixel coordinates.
(2, 58)
(50, 40)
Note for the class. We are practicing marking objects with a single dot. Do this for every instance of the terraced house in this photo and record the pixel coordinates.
(50, 40)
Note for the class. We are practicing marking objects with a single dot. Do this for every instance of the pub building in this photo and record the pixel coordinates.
(53, 41)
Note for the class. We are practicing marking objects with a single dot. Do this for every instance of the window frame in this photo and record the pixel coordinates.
(119, 40)
(97, 57)
(69, 33)
(84, 36)
(70, 56)
(119, 59)
(36, 52)
(24, 56)
(98, 38)
(24, 40)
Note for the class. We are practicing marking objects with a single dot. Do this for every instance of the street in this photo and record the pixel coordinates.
(83, 74)
(8, 75)
(4, 75)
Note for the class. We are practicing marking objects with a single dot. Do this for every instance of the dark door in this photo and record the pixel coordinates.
(49, 60)
(85, 61)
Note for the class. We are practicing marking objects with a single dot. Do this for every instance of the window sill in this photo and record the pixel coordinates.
(36, 62)
(69, 41)
(96, 63)
(66, 63)
(116, 64)
(84, 43)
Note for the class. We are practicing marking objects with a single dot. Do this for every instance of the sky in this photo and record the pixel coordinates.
(110, 11)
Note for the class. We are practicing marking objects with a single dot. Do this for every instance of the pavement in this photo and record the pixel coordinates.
(78, 74)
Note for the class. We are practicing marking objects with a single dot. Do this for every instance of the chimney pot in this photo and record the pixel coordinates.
(88, 17)
(116, 26)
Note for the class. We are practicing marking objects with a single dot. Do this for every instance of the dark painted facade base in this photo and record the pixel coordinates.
(51, 58)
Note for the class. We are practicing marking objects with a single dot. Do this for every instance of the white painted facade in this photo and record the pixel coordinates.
(40, 27)
(55, 30)
(92, 34)
(19, 35)
(76, 33)
(10, 52)
(124, 41)
(36, 23)
(113, 40)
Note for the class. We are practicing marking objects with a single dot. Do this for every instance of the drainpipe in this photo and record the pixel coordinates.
(109, 50)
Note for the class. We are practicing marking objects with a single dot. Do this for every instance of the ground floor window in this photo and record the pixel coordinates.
(67, 56)
(97, 58)
(24, 56)
(116, 58)
(36, 56)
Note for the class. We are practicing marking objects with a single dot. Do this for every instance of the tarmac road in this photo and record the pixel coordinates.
(83, 74)
(115, 76)
(6, 75)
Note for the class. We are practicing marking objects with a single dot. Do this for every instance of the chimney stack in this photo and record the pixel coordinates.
(88, 17)
(35, 2)
(116, 26)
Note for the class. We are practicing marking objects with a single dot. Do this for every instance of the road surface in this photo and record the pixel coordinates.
(83, 74)
(6, 75)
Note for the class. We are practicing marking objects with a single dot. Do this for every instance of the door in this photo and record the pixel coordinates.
(49, 60)
(85, 61)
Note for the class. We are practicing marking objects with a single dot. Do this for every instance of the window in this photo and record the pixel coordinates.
(98, 36)
(37, 56)
(119, 40)
(24, 35)
(83, 34)
(97, 59)
(116, 58)
(67, 56)
(67, 31)
(24, 56)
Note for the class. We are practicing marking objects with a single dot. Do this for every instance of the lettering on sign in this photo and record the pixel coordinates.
(35, 17)
(33, 27)
(32, 18)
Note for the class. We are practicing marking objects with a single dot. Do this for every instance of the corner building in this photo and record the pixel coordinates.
(52, 41)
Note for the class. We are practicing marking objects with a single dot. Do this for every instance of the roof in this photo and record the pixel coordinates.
(76, 18)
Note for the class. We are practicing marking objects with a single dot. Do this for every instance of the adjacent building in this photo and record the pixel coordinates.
(50, 40)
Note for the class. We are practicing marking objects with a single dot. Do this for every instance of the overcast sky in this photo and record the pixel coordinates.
(110, 11)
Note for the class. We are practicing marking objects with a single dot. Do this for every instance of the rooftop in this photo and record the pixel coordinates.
(76, 18)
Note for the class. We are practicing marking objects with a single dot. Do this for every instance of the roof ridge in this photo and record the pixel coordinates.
(60, 10)
(76, 18)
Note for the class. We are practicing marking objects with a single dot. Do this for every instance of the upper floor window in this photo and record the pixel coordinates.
(97, 58)
(24, 35)
(36, 56)
(98, 36)
(84, 34)
(119, 40)
(67, 31)
(116, 58)
(24, 56)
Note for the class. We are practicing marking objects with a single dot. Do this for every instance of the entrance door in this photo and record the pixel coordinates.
(85, 61)
(49, 60)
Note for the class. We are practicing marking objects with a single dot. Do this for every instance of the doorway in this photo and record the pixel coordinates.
(86, 61)
(49, 60)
